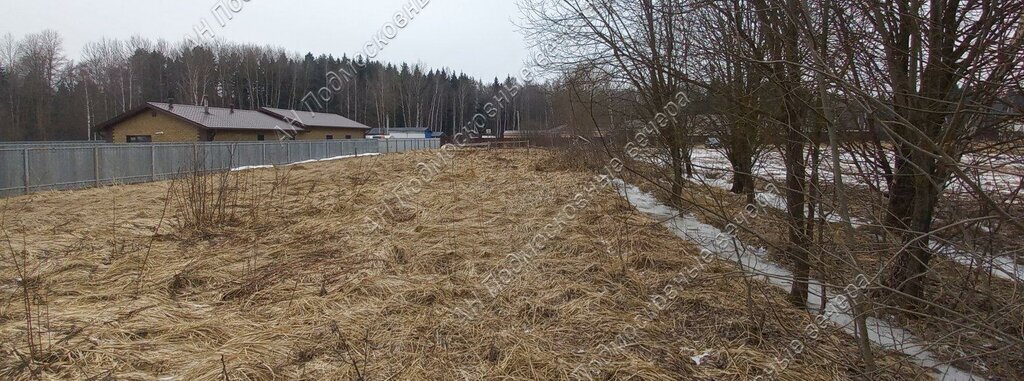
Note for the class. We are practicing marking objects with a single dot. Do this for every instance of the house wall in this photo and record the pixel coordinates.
(314, 133)
(163, 129)
(245, 136)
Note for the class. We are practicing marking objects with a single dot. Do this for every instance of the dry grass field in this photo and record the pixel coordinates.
(295, 273)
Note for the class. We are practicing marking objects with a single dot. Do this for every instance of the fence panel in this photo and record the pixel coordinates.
(61, 168)
(12, 177)
(277, 153)
(172, 160)
(296, 152)
(319, 149)
(33, 167)
(217, 157)
(248, 155)
(363, 147)
(405, 145)
(335, 148)
(124, 165)
(347, 149)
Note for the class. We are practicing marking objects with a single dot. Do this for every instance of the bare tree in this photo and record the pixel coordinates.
(634, 43)
(10, 51)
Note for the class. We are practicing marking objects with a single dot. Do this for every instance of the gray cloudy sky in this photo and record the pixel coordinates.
(475, 36)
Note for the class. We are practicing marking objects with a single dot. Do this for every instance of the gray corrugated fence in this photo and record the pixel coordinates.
(27, 168)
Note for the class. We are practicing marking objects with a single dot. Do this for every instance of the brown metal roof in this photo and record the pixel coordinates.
(225, 119)
(309, 119)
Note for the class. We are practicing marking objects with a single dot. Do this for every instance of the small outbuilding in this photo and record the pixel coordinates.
(401, 133)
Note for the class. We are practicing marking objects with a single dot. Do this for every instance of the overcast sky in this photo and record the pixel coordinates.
(474, 36)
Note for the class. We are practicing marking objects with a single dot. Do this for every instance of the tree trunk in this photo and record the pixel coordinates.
(688, 158)
(796, 168)
(741, 174)
(908, 273)
(901, 193)
(796, 202)
(677, 176)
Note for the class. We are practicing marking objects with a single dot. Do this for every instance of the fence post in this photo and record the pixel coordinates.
(152, 161)
(28, 184)
(96, 165)
(263, 157)
(288, 152)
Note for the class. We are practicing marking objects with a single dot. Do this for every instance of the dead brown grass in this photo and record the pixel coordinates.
(301, 289)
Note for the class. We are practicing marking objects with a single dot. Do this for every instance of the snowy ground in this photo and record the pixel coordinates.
(753, 262)
(996, 174)
(771, 168)
(304, 162)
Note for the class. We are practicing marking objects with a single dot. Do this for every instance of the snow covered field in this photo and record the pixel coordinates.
(713, 169)
(998, 174)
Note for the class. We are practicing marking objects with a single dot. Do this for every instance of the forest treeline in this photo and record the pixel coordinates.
(48, 96)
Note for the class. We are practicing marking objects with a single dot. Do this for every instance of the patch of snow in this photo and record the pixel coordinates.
(251, 167)
(996, 174)
(1001, 266)
(304, 162)
(770, 199)
(698, 359)
(753, 262)
(1005, 267)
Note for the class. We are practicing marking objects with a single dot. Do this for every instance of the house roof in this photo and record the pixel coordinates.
(309, 119)
(216, 119)
(225, 119)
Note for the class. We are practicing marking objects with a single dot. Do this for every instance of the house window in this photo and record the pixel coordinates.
(261, 137)
(140, 138)
(330, 137)
(348, 136)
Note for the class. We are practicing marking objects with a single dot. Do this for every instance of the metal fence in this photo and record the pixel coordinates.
(37, 167)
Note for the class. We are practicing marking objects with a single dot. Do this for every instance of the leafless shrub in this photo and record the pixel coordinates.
(34, 306)
(207, 201)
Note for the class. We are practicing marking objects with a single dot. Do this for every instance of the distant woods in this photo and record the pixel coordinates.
(48, 96)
